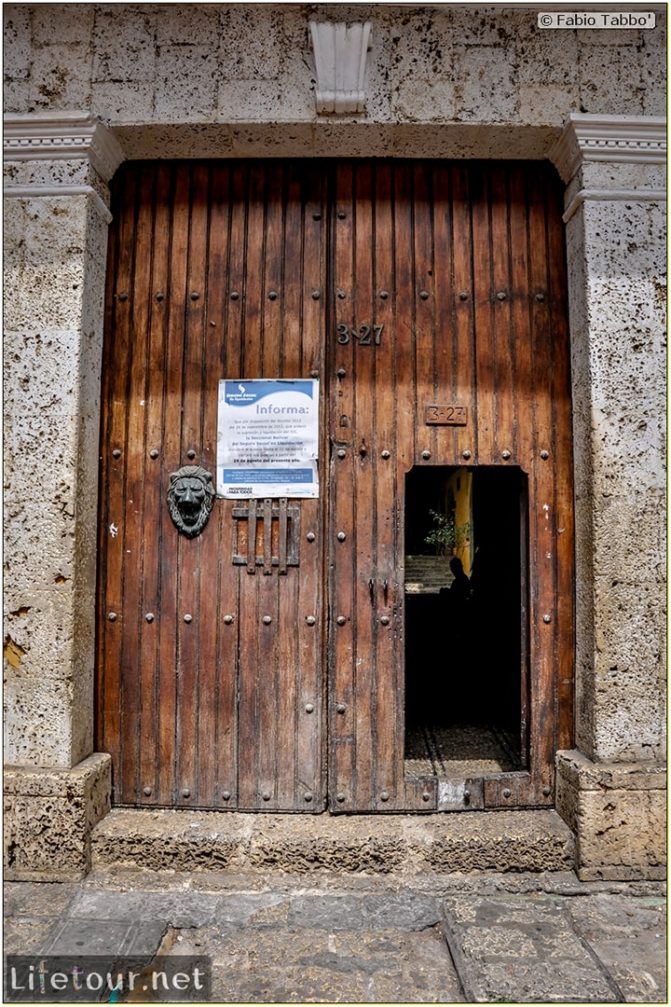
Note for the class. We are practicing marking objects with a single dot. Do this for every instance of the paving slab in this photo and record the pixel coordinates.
(427, 938)
(523, 949)
(306, 966)
(103, 937)
(26, 936)
(629, 937)
(29, 898)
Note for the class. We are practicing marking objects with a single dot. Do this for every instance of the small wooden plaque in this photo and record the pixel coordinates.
(446, 416)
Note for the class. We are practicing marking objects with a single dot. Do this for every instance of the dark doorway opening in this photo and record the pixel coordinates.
(466, 621)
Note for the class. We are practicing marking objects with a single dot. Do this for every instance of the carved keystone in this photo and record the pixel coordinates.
(340, 52)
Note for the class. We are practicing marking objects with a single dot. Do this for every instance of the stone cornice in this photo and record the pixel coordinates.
(61, 135)
(587, 137)
(340, 52)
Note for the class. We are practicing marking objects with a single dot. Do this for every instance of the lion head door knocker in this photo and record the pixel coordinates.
(190, 499)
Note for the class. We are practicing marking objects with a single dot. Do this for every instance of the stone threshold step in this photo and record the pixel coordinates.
(183, 840)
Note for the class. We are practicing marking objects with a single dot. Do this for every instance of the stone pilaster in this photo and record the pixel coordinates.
(613, 167)
(56, 219)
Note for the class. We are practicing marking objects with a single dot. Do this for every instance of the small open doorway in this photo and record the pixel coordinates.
(466, 631)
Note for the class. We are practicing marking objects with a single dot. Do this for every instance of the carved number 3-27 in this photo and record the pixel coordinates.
(365, 335)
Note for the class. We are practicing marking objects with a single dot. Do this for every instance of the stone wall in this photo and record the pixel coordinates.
(215, 63)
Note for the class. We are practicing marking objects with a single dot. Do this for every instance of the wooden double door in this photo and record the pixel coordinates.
(229, 682)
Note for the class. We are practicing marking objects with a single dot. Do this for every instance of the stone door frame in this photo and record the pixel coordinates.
(57, 170)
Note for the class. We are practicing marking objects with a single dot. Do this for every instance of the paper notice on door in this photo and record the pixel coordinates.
(268, 438)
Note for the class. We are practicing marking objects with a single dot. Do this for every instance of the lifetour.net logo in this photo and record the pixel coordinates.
(53, 979)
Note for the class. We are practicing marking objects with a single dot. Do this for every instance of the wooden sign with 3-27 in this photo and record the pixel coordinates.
(446, 416)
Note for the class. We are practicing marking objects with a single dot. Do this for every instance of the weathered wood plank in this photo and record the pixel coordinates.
(342, 783)
(133, 517)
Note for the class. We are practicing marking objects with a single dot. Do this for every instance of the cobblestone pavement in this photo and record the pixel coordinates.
(441, 939)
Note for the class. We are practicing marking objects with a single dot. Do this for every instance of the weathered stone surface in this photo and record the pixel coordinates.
(56, 266)
(104, 937)
(48, 818)
(618, 353)
(492, 57)
(340, 938)
(622, 834)
(618, 813)
(291, 966)
(522, 949)
(629, 938)
(183, 840)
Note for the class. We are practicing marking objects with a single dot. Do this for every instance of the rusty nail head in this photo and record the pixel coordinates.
(363, 450)
(385, 620)
(340, 707)
(342, 295)
(341, 214)
(310, 536)
(111, 616)
(191, 453)
(540, 297)
(341, 536)
(186, 792)
(116, 453)
(228, 619)
(308, 797)
(316, 216)
(160, 296)
(501, 296)
(273, 295)
(384, 796)
(547, 617)
(386, 454)
(147, 791)
(384, 294)
(505, 454)
(341, 620)
(234, 295)
(188, 617)
(341, 372)
(426, 796)
(123, 297)
(545, 454)
(310, 619)
(547, 791)
(149, 616)
(340, 798)
(316, 294)
(194, 295)
(226, 794)
(467, 795)
(314, 373)
(465, 454)
(153, 453)
(426, 455)
(309, 708)
(267, 620)
(506, 793)
(463, 295)
(265, 796)
(341, 453)
(424, 294)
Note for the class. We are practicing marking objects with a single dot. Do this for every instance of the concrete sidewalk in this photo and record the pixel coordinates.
(426, 939)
